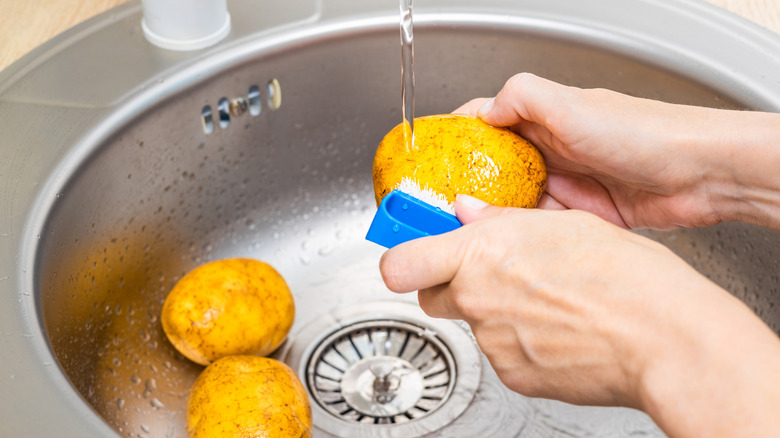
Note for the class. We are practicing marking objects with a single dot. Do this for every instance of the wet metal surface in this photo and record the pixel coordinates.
(139, 186)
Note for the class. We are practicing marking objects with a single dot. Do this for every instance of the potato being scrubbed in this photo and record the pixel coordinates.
(226, 307)
(248, 396)
(457, 154)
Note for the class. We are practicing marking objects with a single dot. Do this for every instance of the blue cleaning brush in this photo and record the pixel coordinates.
(402, 217)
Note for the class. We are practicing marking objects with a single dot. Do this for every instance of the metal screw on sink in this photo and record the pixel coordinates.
(238, 106)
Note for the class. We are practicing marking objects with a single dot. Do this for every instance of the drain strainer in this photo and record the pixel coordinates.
(381, 372)
(385, 369)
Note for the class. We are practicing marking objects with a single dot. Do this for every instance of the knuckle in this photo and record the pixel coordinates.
(462, 305)
(518, 83)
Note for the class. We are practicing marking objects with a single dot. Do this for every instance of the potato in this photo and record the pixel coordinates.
(248, 396)
(459, 154)
(226, 307)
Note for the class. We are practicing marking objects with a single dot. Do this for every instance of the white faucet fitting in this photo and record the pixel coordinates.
(185, 24)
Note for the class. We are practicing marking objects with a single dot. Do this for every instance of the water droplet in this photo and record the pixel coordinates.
(145, 428)
(156, 404)
(396, 228)
(135, 379)
(120, 403)
(405, 206)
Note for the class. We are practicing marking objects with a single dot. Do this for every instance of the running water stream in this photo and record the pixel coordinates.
(407, 73)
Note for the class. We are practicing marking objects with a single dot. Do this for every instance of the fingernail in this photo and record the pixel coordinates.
(471, 202)
(486, 107)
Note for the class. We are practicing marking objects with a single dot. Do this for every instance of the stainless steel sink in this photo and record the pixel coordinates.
(123, 168)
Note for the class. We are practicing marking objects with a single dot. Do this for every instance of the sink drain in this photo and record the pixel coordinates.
(385, 369)
(381, 372)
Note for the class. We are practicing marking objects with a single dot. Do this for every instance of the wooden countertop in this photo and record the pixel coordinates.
(25, 24)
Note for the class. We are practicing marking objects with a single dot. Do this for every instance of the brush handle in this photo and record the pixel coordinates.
(402, 217)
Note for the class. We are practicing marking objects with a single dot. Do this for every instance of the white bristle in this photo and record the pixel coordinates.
(425, 194)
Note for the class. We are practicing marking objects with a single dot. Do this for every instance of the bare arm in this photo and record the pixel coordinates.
(643, 163)
(570, 307)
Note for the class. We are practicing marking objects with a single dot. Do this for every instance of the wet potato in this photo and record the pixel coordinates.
(456, 154)
(228, 307)
(248, 396)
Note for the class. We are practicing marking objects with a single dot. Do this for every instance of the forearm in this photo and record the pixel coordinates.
(719, 377)
(743, 150)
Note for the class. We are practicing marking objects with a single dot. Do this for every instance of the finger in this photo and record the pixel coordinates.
(583, 192)
(421, 263)
(469, 209)
(434, 260)
(436, 302)
(547, 202)
(470, 108)
(524, 97)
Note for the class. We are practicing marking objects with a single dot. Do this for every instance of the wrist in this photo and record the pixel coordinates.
(743, 152)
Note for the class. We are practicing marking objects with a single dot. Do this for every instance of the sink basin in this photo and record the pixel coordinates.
(125, 166)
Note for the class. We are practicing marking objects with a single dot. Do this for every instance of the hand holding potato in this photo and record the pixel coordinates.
(567, 306)
(641, 163)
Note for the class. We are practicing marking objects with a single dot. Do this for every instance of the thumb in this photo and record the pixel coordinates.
(470, 209)
(524, 97)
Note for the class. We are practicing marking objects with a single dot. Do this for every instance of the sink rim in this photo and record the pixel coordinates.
(34, 379)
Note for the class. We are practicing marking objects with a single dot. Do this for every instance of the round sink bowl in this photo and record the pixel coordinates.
(125, 166)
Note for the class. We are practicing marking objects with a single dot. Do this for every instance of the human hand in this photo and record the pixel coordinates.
(638, 162)
(569, 307)
(560, 302)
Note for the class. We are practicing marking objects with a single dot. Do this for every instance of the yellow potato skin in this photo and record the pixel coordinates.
(226, 307)
(248, 397)
(460, 154)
